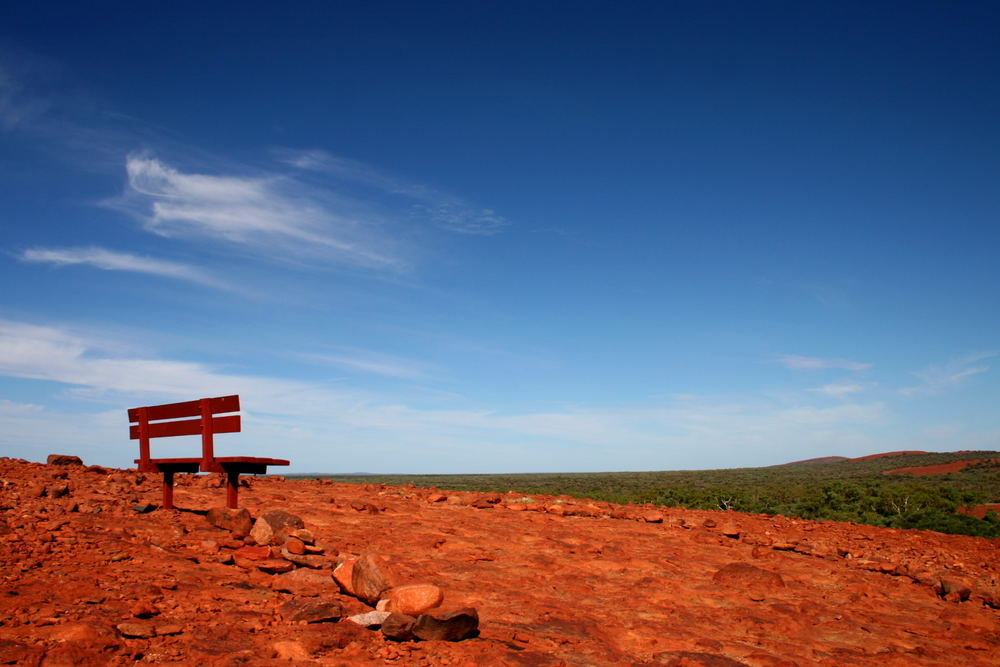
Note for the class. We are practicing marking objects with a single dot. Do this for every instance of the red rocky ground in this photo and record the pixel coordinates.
(86, 579)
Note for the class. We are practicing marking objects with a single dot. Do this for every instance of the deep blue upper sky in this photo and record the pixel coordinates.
(459, 237)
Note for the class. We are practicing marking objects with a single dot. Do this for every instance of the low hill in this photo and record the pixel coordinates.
(818, 460)
(847, 490)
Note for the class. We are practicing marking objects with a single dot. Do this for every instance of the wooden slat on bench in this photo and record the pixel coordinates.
(227, 424)
(219, 405)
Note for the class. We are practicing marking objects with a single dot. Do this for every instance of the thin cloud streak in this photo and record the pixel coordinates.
(938, 379)
(450, 212)
(800, 363)
(110, 260)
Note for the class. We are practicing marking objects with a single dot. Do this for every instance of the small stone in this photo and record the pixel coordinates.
(748, 576)
(311, 611)
(237, 522)
(144, 508)
(453, 626)
(372, 575)
(303, 582)
(652, 516)
(312, 561)
(437, 498)
(398, 627)
(168, 629)
(254, 553)
(144, 610)
(63, 460)
(370, 619)
(295, 545)
(730, 530)
(137, 629)
(304, 534)
(414, 599)
(92, 634)
(274, 525)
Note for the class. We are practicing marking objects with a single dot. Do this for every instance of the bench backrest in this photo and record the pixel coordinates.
(151, 422)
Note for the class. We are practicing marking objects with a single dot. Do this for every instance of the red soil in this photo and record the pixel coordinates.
(556, 581)
(940, 469)
(979, 511)
(885, 454)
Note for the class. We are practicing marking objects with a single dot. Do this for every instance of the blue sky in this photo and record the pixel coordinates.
(501, 237)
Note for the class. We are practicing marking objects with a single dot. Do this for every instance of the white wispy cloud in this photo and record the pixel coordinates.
(943, 377)
(271, 215)
(110, 260)
(365, 361)
(448, 211)
(839, 390)
(801, 363)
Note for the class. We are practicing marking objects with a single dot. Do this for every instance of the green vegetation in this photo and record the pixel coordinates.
(856, 491)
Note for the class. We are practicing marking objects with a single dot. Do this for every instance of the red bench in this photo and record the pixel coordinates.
(152, 422)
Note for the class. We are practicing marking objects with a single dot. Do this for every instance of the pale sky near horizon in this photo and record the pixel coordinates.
(502, 236)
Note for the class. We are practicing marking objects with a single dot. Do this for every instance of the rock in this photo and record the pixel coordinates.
(730, 530)
(303, 582)
(398, 627)
(144, 610)
(744, 575)
(258, 552)
(452, 626)
(168, 629)
(344, 573)
(144, 508)
(237, 522)
(370, 619)
(652, 516)
(371, 576)
(63, 460)
(273, 526)
(291, 650)
(414, 599)
(953, 589)
(93, 634)
(294, 545)
(311, 561)
(311, 611)
(437, 498)
(304, 534)
(137, 629)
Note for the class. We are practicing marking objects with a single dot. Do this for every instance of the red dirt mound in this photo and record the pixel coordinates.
(979, 511)
(86, 578)
(885, 454)
(941, 469)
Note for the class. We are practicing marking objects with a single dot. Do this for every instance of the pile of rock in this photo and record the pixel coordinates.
(279, 552)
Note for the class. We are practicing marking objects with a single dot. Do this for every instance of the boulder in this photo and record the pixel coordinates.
(371, 576)
(237, 522)
(274, 525)
(452, 626)
(414, 599)
(63, 460)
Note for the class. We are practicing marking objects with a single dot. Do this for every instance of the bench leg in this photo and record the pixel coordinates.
(168, 490)
(232, 489)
